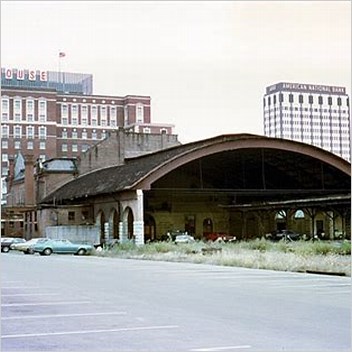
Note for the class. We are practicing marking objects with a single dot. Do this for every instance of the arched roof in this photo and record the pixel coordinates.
(264, 158)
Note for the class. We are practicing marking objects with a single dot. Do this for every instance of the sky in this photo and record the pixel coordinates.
(205, 64)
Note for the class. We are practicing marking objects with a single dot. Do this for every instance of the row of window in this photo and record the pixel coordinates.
(31, 131)
(99, 110)
(296, 108)
(74, 148)
(303, 99)
(74, 134)
(94, 121)
(307, 123)
(19, 145)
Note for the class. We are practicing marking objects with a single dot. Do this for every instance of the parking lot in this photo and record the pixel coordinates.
(69, 303)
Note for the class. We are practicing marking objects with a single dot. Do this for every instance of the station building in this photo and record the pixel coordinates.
(243, 185)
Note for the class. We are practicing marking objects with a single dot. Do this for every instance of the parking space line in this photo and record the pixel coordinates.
(137, 328)
(62, 315)
(43, 303)
(224, 348)
(30, 294)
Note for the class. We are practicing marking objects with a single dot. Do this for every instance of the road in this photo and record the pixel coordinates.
(70, 303)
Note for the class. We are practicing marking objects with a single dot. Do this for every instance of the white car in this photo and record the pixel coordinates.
(27, 247)
(184, 239)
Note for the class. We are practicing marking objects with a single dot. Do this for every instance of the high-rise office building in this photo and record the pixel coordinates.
(314, 114)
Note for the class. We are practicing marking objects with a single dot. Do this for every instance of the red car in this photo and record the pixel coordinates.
(219, 236)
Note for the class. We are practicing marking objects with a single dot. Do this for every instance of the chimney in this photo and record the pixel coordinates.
(29, 179)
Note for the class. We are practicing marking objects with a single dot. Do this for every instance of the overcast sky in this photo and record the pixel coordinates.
(205, 64)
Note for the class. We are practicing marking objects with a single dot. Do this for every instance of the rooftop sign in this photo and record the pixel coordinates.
(21, 74)
(302, 87)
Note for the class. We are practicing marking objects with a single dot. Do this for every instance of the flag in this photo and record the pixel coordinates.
(61, 54)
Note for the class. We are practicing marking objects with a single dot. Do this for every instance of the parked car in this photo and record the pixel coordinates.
(287, 235)
(61, 247)
(219, 237)
(27, 247)
(8, 241)
(184, 239)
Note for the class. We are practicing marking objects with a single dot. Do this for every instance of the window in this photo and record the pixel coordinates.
(42, 132)
(64, 147)
(71, 215)
(30, 132)
(290, 98)
(5, 109)
(84, 147)
(4, 157)
(42, 145)
(94, 115)
(17, 145)
(5, 104)
(42, 157)
(42, 110)
(17, 109)
(320, 100)
(146, 130)
(103, 112)
(64, 114)
(4, 144)
(64, 133)
(300, 99)
(113, 112)
(74, 114)
(84, 134)
(74, 148)
(125, 110)
(30, 145)
(74, 134)
(4, 131)
(140, 112)
(30, 110)
(94, 135)
(84, 115)
(281, 98)
(103, 134)
(329, 101)
(17, 132)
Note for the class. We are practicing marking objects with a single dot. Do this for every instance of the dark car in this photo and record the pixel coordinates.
(7, 242)
(286, 235)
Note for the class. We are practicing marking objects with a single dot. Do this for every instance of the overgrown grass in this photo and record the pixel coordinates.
(329, 257)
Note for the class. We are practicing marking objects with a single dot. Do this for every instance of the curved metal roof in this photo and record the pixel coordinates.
(268, 163)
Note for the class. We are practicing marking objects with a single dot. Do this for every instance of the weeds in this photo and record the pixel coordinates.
(333, 257)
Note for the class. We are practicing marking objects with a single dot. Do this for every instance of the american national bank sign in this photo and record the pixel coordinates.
(21, 74)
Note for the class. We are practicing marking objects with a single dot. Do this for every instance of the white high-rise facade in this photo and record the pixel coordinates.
(314, 114)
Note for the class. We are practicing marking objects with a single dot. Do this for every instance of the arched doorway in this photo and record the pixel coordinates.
(207, 226)
(149, 228)
(128, 219)
(100, 222)
(114, 224)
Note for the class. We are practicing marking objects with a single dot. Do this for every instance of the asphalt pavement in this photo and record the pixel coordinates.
(71, 303)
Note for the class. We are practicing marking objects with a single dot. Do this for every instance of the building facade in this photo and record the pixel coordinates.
(40, 119)
(314, 114)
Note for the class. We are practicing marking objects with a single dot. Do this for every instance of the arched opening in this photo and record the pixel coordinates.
(280, 218)
(207, 227)
(100, 222)
(149, 228)
(114, 224)
(130, 219)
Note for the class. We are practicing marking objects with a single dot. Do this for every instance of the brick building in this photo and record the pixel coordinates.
(55, 115)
